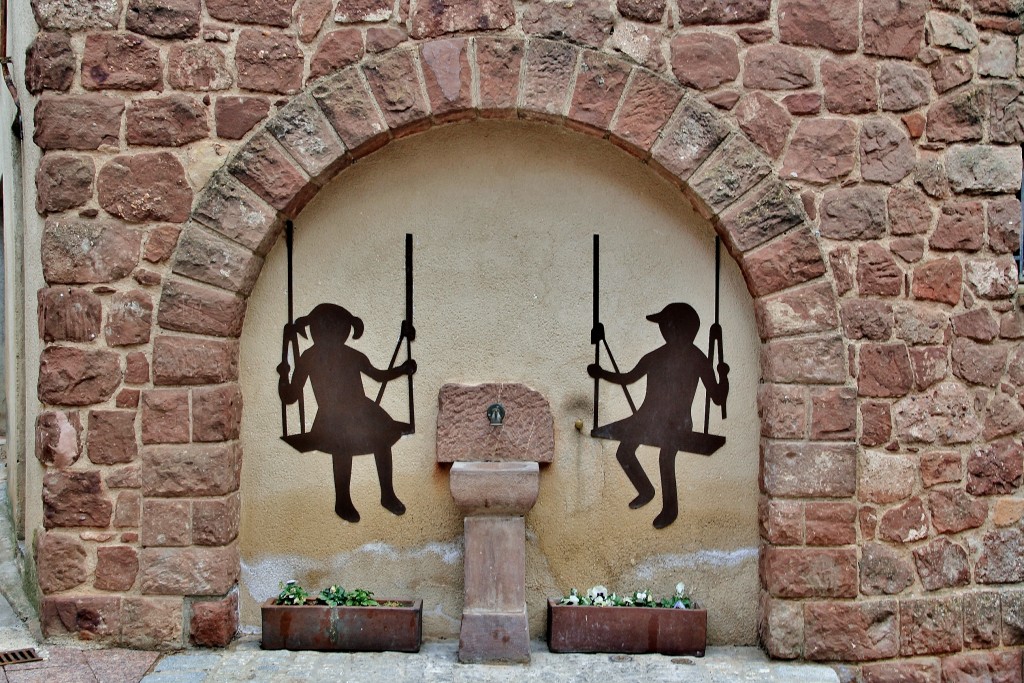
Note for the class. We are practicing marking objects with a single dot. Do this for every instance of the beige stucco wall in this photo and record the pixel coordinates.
(503, 215)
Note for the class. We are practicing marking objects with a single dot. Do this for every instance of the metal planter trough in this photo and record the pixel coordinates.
(633, 630)
(344, 629)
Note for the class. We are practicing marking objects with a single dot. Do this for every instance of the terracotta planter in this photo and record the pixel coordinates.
(632, 630)
(343, 629)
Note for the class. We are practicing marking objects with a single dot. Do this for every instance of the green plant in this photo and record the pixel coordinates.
(291, 594)
(360, 597)
(599, 596)
(332, 596)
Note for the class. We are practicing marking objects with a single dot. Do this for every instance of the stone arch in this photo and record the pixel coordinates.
(344, 116)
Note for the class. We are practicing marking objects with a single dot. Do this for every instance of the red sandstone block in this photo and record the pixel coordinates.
(198, 66)
(165, 416)
(214, 622)
(781, 521)
(931, 626)
(809, 360)
(215, 260)
(179, 361)
(498, 62)
(188, 571)
(215, 521)
(599, 86)
(347, 103)
(190, 470)
(306, 135)
(228, 207)
(448, 78)
(152, 622)
(116, 567)
(265, 169)
(783, 410)
(647, 106)
(394, 82)
(830, 524)
(87, 617)
(790, 260)
(268, 61)
(809, 470)
(187, 307)
(546, 80)
(77, 377)
(857, 632)
(216, 413)
(75, 499)
(145, 187)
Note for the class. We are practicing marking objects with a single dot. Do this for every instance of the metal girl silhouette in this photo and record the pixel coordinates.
(347, 422)
(663, 419)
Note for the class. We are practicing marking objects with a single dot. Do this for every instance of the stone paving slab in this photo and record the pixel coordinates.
(437, 663)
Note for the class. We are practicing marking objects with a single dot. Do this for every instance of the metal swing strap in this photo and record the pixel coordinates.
(291, 335)
(406, 334)
(715, 335)
(597, 336)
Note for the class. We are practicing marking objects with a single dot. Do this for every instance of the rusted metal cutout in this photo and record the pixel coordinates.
(663, 419)
(347, 422)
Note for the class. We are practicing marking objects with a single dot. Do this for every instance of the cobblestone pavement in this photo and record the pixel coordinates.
(436, 662)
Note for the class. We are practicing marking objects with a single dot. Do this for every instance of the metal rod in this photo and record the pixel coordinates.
(615, 367)
(408, 319)
(597, 321)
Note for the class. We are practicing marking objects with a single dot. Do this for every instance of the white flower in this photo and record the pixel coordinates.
(641, 596)
(573, 600)
(680, 588)
(597, 591)
(679, 605)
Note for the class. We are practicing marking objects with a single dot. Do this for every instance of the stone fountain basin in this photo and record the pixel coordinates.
(495, 488)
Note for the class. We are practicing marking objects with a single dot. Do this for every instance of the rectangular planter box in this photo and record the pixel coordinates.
(661, 630)
(343, 629)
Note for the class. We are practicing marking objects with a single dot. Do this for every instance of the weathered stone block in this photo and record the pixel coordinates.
(75, 499)
(112, 436)
(77, 121)
(806, 573)
(121, 61)
(836, 631)
(82, 252)
(77, 377)
(821, 150)
(995, 468)
(953, 511)
(198, 66)
(464, 434)
(152, 623)
(145, 187)
(451, 16)
(68, 314)
(704, 60)
(216, 413)
(777, 67)
(931, 626)
(179, 361)
(268, 61)
(883, 571)
(809, 470)
(58, 438)
(215, 521)
(210, 258)
(587, 22)
(190, 470)
(893, 28)
(906, 523)
(60, 562)
(188, 571)
(884, 371)
(942, 564)
(214, 622)
(166, 121)
(116, 567)
(63, 182)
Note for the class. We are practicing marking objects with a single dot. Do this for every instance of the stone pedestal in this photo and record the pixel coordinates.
(494, 496)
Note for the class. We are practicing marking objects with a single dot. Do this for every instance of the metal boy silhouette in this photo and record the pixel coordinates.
(663, 419)
(347, 422)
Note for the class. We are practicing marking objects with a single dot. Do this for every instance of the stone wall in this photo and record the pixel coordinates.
(860, 160)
